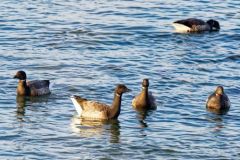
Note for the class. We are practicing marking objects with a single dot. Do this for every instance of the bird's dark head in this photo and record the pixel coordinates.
(145, 83)
(21, 75)
(121, 88)
(219, 90)
(215, 26)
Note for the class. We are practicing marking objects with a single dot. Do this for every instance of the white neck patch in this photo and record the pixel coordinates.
(118, 95)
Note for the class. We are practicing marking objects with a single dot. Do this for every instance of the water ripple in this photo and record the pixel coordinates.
(87, 47)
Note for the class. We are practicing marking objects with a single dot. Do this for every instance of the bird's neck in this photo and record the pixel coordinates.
(22, 88)
(144, 96)
(116, 106)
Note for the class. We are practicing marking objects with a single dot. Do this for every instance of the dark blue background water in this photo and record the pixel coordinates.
(87, 47)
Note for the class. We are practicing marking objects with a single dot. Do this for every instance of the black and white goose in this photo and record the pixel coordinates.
(31, 88)
(196, 25)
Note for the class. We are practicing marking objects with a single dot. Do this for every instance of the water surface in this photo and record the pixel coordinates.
(87, 47)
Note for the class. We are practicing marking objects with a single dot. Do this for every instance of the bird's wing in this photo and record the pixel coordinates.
(39, 87)
(94, 106)
(93, 109)
(152, 100)
(190, 22)
(38, 84)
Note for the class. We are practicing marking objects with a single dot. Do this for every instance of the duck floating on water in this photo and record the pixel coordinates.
(97, 110)
(196, 25)
(145, 100)
(218, 101)
(31, 88)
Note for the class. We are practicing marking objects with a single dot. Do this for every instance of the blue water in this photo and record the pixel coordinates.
(87, 47)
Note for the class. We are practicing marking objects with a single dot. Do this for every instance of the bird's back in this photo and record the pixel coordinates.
(190, 22)
(91, 109)
(39, 87)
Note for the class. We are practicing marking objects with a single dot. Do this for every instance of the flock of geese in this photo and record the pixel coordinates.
(217, 101)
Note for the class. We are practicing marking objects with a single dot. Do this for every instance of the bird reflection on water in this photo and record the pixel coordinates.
(23, 101)
(217, 120)
(142, 114)
(96, 128)
(216, 116)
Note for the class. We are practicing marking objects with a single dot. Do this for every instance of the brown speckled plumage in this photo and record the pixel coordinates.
(97, 110)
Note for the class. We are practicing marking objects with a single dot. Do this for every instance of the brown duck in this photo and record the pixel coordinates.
(145, 99)
(31, 88)
(218, 100)
(97, 110)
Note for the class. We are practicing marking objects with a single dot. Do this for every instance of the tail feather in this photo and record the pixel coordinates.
(51, 85)
(78, 98)
(76, 102)
(180, 27)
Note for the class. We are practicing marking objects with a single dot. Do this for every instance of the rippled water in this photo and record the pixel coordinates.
(87, 47)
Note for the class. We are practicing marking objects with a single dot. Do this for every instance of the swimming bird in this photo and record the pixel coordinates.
(98, 110)
(196, 25)
(145, 99)
(31, 88)
(218, 100)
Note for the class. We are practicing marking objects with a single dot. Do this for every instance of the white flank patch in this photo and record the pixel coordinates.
(77, 106)
(51, 85)
(180, 27)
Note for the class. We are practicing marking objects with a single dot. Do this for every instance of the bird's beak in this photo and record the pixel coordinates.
(15, 76)
(129, 90)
